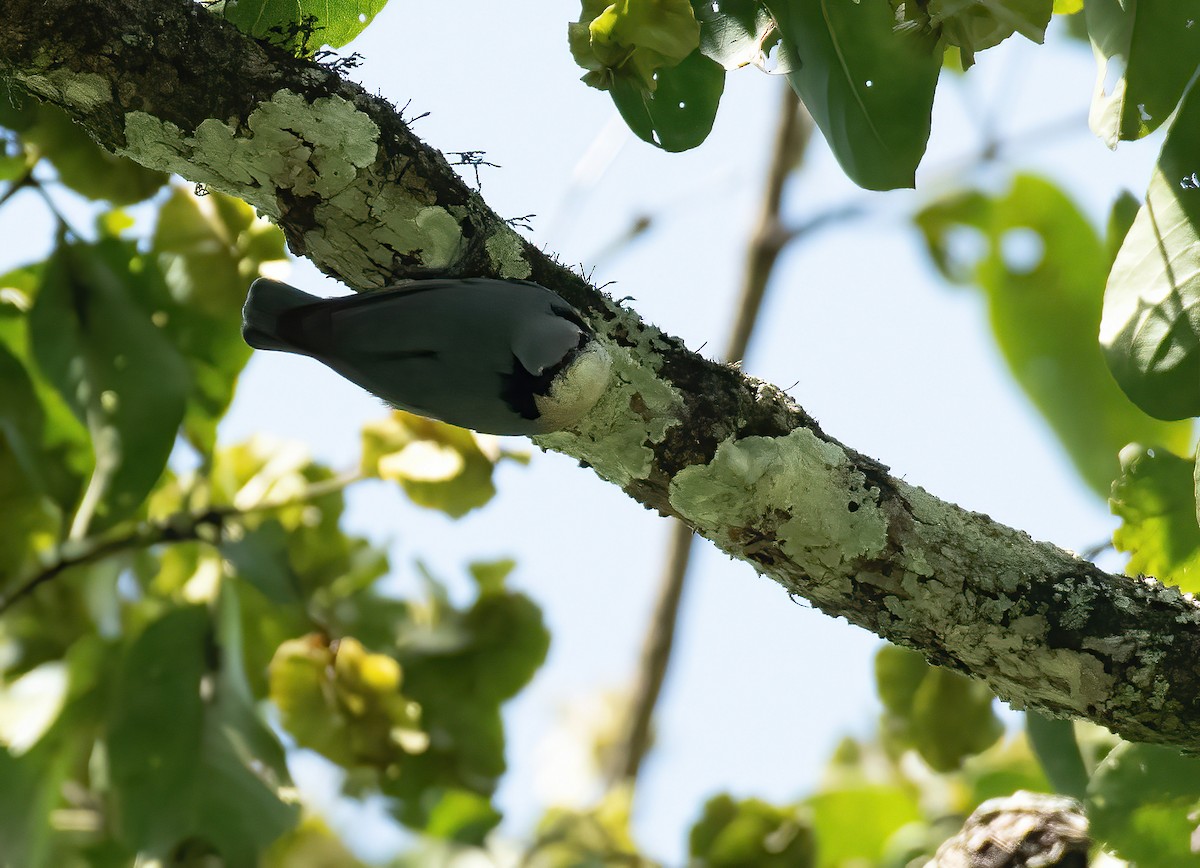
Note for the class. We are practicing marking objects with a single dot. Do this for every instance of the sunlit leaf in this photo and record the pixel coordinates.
(1156, 501)
(868, 85)
(632, 40)
(461, 815)
(115, 369)
(490, 575)
(1146, 53)
(304, 25)
(1151, 326)
(1142, 803)
(838, 822)
(1042, 267)
(952, 719)
(438, 465)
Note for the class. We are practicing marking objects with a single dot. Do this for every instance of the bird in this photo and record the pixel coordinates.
(496, 356)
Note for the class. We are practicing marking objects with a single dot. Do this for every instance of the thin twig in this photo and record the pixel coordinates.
(207, 525)
(767, 241)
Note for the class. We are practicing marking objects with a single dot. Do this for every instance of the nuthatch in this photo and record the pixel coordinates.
(499, 356)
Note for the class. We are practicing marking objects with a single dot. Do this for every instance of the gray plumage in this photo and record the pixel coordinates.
(492, 355)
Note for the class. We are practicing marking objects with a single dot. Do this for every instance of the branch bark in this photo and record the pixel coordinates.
(172, 86)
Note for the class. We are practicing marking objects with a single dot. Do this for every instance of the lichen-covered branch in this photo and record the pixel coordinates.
(173, 87)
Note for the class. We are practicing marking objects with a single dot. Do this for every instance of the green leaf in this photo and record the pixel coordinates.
(1042, 269)
(946, 716)
(633, 40)
(1156, 502)
(898, 675)
(156, 729)
(838, 821)
(1120, 220)
(187, 768)
(1151, 326)
(461, 666)
(460, 815)
(115, 369)
(241, 810)
(83, 165)
(209, 250)
(736, 32)
(1147, 55)
(489, 576)
(952, 719)
(1057, 750)
(22, 419)
(1141, 803)
(868, 85)
(260, 557)
(305, 25)
(981, 24)
(51, 444)
(28, 521)
(749, 833)
(439, 466)
(678, 113)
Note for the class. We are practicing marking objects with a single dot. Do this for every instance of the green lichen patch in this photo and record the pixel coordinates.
(800, 489)
(507, 255)
(308, 148)
(618, 436)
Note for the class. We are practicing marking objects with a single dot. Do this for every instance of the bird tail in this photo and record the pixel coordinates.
(267, 302)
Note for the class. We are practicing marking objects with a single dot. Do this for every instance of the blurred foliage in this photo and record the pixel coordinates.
(1143, 801)
(749, 833)
(945, 716)
(151, 616)
(438, 465)
(1042, 266)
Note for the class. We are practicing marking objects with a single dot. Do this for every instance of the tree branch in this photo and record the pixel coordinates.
(208, 525)
(175, 88)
